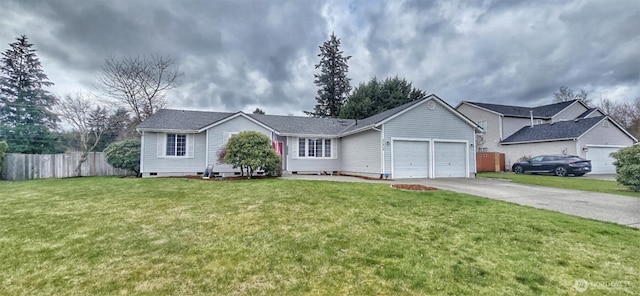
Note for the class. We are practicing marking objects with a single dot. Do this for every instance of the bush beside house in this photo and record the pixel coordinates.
(124, 155)
(628, 166)
(3, 149)
(251, 151)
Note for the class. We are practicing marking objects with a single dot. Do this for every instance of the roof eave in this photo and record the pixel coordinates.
(539, 141)
(167, 130)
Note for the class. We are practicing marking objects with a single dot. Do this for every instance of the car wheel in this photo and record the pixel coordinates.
(518, 169)
(561, 171)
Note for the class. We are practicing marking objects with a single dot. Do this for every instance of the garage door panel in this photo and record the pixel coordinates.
(450, 159)
(411, 159)
(601, 162)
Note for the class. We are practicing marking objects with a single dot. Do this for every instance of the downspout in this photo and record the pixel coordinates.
(142, 153)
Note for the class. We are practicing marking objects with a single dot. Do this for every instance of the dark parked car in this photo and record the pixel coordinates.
(559, 165)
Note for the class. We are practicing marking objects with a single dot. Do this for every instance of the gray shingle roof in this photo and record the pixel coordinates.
(168, 119)
(545, 111)
(553, 131)
(304, 125)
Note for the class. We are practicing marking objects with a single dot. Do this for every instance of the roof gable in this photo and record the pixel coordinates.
(381, 118)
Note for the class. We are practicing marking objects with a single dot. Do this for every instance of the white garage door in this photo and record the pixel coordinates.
(450, 159)
(410, 159)
(601, 162)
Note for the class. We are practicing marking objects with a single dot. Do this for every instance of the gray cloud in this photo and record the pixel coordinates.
(238, 55)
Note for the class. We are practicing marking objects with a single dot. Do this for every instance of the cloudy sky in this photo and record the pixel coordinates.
(239, 55)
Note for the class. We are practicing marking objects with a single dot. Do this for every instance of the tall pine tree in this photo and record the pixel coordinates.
(332, 80)
(25, 106)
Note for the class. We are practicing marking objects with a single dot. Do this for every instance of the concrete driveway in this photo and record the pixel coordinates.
(618, 209)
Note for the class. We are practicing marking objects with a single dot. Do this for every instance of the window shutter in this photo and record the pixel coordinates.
(191, 145)
(293, 144)
(161, 140)
(225, 138)
(334, 148)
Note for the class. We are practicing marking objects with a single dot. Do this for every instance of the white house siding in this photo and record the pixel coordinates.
(570, 113)
(513, 153)
(492, 136)
(172, 166)
(217, 137)
(360, 152)
(312, 165)
(423, 123)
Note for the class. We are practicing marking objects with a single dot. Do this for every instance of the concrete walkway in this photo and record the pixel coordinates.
(618, 209)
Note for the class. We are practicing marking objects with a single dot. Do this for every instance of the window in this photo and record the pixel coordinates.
(315, 148)
(483, 125)
(176, 145)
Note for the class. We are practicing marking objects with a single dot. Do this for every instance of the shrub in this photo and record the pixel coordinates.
(252, 151)
(3, 149)
(124, 155)
(628, 166)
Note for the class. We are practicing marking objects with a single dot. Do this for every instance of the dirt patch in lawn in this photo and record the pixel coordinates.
(413, 187)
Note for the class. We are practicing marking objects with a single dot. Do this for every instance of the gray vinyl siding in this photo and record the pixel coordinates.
(422, 123)
(181, 165)
(604, 136)
(492, 134)
(295, 164)
(510, 125)
(360, 152)
(216, 138)
(570, 113)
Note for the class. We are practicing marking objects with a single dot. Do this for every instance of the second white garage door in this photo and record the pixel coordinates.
(601, 162)
(450, 159)
(410, 159)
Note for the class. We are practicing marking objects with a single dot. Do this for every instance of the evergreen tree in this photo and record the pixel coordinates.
(332, 80)
(25, 106)
(377, 96)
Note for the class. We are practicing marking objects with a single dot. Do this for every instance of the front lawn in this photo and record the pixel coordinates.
(577, 183)
(97, 236)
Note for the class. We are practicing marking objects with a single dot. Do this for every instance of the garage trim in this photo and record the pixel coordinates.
(432, 173)
(601, 146)
(429, 141)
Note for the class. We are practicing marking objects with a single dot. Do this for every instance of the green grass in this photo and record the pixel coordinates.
(577, 183)
(109, 236)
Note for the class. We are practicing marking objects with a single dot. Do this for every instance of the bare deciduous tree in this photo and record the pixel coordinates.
(88, 119)
(625, 113)
(567, 94)
(139, 83)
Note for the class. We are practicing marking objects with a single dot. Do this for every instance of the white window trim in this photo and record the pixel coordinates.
(483, 126)
(162, 146)
(296, 142)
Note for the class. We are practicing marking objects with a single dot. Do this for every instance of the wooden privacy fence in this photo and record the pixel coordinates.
(490, 162)
(39, 166)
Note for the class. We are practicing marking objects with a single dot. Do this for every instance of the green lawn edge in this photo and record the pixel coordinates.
(576, 183)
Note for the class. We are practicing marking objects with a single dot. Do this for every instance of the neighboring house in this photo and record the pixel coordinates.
(562, 128)
(422, 139)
